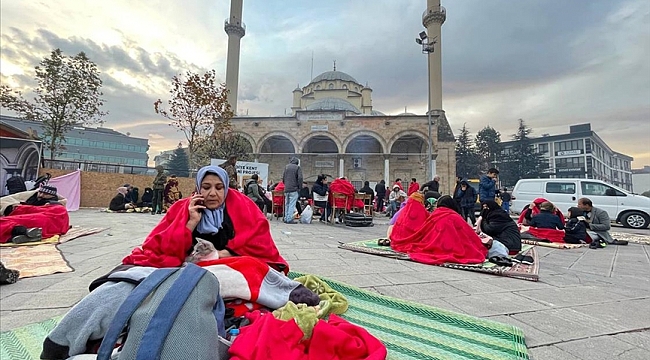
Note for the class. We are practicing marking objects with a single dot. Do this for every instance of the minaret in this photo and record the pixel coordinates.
(432, 19)
(236, 30)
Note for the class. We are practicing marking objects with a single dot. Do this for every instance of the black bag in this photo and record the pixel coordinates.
(16, 184)
(357, 220)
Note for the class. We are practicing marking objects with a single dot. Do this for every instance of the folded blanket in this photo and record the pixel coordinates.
(551, 235)
(332, 302)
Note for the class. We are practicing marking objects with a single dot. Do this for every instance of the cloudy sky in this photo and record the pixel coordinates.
(551, 62)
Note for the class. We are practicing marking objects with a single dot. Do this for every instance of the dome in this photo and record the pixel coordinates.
(407, 114)
(334, 75)
(377, 113)
(333, 104)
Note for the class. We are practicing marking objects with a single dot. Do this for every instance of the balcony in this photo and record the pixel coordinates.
(434, 14)
(234, 28)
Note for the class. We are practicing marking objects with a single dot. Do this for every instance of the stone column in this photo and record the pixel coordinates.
(387, 169)
(236, 30)
(341, 166)
(432, 19)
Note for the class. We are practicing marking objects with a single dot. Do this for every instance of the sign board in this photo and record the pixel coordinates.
(569, 152)
(566, 170)
(319, 127)
(324, 164)
(320, 116)
(246, 169)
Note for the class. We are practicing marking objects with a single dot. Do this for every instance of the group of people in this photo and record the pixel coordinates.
(156, 199)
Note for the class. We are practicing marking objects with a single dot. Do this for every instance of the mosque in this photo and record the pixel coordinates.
(335, 130)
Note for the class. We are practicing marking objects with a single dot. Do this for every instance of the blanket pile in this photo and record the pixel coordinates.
(52, 219)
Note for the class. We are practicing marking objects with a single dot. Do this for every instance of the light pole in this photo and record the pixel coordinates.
(427, 48)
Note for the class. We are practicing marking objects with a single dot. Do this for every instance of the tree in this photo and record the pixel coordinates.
(467, 160)
(67, 94)
(522, 161)
(488, 147)
(179, 163)
(222, 147)
(198, 107)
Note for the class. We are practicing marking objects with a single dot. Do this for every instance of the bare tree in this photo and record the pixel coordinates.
(67, 94)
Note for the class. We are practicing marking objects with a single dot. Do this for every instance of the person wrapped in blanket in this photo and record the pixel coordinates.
(543, 225)
(171, 193)
(496, 223)
(247, 264)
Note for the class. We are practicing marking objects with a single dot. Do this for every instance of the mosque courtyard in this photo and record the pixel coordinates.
(587, 304)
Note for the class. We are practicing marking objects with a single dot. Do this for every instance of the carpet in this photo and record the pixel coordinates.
(34, 261)
(414, 331)
(73, 233)
(409, 330)
(633, 238)
(552, 244)
(519, 271)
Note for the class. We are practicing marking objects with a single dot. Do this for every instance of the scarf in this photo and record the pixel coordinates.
(211, 220)
(122, 190)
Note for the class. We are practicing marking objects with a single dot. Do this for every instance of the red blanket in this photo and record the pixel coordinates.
(414, 187)
(168, 243)
(409, 220)
(346, 188)
(336, 339)
(551, 235)
(444, 237)
(52, 219)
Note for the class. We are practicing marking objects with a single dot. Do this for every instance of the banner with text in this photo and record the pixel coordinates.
(246, 169)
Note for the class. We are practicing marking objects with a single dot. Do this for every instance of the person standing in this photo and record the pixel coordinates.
(292, 179)
(413, 187)
(158, 187)
(380, 192)
(505, 200)
(466, 198)
(231, 169)
(433, 185)
(487, 185)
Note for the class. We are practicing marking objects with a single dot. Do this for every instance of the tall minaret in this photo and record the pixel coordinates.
(432, 19)
(236, 30)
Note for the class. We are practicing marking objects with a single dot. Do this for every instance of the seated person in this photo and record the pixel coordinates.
(547, 217)
(343, 186)
(132, 193)
(496, 223)
(222, 216)
(41, 210)
(256, 193)
(599, 224)
(575, 231)
(147, 198)
(533, 209)
(437, 238)
(395, 200)
(119, 201)
(320, 192)
(43, 196)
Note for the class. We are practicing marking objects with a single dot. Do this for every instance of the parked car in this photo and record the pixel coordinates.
(623, 207)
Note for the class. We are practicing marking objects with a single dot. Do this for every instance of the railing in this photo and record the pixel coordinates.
(226, 22)
(434, 9)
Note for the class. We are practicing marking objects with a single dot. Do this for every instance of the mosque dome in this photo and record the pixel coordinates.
(330, 103)
(377, 113)
(334, 75)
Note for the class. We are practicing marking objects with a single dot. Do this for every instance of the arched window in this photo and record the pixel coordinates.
(356, 88)
(317, 87)
(331, 86)
(345, 87)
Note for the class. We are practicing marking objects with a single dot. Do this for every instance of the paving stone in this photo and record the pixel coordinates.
(43, 299)
(420, 291)
(363, 281)
(568, 324)
(599, 348)
(550, 353)
(495, 304)
(568, 296)
(630, 314)
(639, 339)
(17, 318)
(534, 337)
(495, 284)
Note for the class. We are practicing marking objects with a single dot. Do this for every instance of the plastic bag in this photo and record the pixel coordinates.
(306, 216)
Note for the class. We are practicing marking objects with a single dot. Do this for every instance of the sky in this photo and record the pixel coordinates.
(552, 63)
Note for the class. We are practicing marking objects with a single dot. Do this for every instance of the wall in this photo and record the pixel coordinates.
(97, 189)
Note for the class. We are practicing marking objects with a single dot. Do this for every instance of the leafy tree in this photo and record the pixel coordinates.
(67, 94)
(179, 163)
(488, 147)
(522, 161)
(198, 107)
(467, 160)
(222, 147)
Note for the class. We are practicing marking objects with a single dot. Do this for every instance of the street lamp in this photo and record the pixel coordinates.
(427, 44)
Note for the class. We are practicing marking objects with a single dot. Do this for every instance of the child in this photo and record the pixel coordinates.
(576, 228)
(547, 219)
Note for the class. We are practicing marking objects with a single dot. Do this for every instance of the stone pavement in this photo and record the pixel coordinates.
(588, 304)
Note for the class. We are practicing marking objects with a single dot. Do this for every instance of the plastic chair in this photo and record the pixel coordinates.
(276, 207)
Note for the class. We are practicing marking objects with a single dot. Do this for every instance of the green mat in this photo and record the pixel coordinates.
(414, 331)
(409, 331)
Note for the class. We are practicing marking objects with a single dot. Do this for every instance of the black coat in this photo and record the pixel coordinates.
(575, 231)
(368, 190)
(380, 190)
(117, 203)
(431, 185)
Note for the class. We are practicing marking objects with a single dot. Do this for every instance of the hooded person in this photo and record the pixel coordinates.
(292, 179)
(119, 201)
(215, 213)
(495, 222)
(442, 237)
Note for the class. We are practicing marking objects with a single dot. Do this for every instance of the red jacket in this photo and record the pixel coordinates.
(413, 188)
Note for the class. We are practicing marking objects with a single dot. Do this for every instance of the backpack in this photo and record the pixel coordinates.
(174, 313)
(357, 220)
(16, 184)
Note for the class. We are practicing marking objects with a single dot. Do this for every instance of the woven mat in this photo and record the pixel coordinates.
(633, 238)
(552, 244)
(414, 331)
(519, 271)
(409, 331)
(34, 261)
(73, 233)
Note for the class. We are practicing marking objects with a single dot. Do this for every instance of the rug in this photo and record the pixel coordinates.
(633, 238)
(519, 271)
(415, 331)
(34, 261)
(409, 330)
(73, 233)
(552, 244)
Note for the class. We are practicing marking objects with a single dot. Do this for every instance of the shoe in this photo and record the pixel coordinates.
(501, 261)
(8, 276)
(594, 245)
(528, 260)
(619, 242)
(519, 258)
(291, 222)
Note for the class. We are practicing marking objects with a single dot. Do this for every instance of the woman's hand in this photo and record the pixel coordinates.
(196, 210)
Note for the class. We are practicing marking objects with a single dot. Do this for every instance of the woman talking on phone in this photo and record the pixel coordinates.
(226, 218)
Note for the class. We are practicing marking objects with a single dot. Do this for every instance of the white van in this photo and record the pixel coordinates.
(626, 208)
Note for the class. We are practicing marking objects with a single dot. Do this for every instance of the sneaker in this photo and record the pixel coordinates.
(619, 242)
(594, 245)
(528, 260)
(519, 258)
(8, 276)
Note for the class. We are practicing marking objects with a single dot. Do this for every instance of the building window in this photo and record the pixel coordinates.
(560, 188)
(331, 86)
(345, 87)
(569, 147)
(317, 87)
(542, 148)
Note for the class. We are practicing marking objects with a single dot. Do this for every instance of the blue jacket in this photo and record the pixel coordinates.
(486, 188)
(547, 220)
